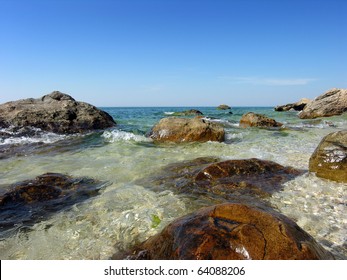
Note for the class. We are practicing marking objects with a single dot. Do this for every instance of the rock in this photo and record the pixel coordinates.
(298, 106)
(56, 112)
(223, 107)
(236, 180)
(251, 119)
(174, 129)
(329, 160)
(230, 231)
(191, 112)
(331, 103)
(32, 200)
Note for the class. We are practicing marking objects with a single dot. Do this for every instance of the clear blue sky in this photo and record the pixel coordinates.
(173, 52)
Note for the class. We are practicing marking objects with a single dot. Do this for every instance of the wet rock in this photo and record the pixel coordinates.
(298, 106)
(230, 231)
(56, 112)
(329, 160)
(331, 103)
(177, 130)
(223, 107)
(191, 112)
(236, 180)
(31, 201)
(257, 120)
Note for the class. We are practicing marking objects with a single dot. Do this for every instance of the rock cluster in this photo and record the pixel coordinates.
(257, 120)
(298, 106)
(56, 112)
(329, 160)
(178, 130)
(231, 231)
(238, 229)
(331, 103)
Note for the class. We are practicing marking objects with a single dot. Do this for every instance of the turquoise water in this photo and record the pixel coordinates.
(129, 210)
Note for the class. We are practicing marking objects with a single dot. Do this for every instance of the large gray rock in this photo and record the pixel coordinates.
(177, 130)
(298, 106)
(331, 103)
(56, 112)
(329, 160)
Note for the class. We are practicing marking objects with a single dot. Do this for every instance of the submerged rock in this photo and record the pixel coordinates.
(177, 130)
(331, 103)
(56, 112)
(329, 160)
(298, 106)
(257, 120)
(236, 180)
(32, 200)
(223, 107)
(230, 231)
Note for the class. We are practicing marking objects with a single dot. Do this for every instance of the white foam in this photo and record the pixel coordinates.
(39, 136)
(118, 135)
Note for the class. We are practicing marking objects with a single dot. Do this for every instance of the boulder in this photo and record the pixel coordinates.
(257, 120)
(223, 107)
(329, 160)
(230, 231)
(236, 180)
(32, 200)
(191, 112)
(177, 130)
(56, 112)
(331, 103)
(298, 106)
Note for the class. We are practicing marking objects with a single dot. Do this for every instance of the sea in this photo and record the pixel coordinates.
(128, 210)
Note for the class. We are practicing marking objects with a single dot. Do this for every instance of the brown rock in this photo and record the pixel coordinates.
(191, 112)
(223, 107)
(331, 103)
(231, 232)
(329, 160)
(56, 112)
(236, 180)
(186, 130)
(31, 200)
(256, 120)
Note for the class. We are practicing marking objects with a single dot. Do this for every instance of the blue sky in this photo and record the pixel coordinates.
(173, 52)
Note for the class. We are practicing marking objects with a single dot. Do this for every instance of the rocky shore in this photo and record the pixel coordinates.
(241, 223)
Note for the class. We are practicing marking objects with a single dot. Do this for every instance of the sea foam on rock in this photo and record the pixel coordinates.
(56, 112)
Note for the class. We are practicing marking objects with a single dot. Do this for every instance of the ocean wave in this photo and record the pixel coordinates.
(118, 135)
(223, 122)
(28, 135)
(169, 113)
(313, 124)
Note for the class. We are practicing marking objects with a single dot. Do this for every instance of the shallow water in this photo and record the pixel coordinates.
(126, 211)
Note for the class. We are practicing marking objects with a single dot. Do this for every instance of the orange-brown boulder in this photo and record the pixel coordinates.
(257, 120)
(178, 130)
(231, 232)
